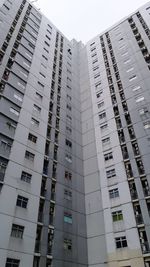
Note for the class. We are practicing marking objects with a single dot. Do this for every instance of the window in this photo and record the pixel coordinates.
(24, 74)
(93, 49)
(3, 166)
(117, 216)
(95, 68)
(38, 96)
(136, 88)
(48, 31)
(111, 173)
(32, 138)
(124, 54)
(68, 143)
(92, 44)
(31, 45)
(47, 37)
(47, 43)
(69, 97)
(68, 79)
(67, 194)
(100, 105)
(45, 57)
(94, 61)
(132, 78)
(41, 85)
(69, 71)
(35, 122)
(6, 7)
(67, 244)
(43, 66)
(30, 156)
(113, 193)
(28, 55)
(69, 118)
(104, 127)
(68, 130)
(12, 262)
(68, 107)
(127, 61)
(14, 111)
(68, 158)
(130, 69)
(94, 54)
(37, 109)
(139, 99)
(68, 218)
(42, 74)
(17, 231)
(98, 95)
(21, 85)
(11, 126)
(121, 242)
(68, 87)
(121, 47)
(96, 75)
(18, 97)
(24, 63)
(5, 145)
(143, 111)
(68, 175)
(26, 177)
(106, 141)
(49, 26)
(108, 156)
(146, 125)
(102, 115)
(22, 202)
(46, 50)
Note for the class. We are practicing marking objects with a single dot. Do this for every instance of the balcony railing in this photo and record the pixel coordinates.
(51, 219)
(54, 174)
(139, 219)
(53, 195)
(125, 155)
(40, 217)
(134, 195)
(2, 174)
(132, 136)
(146, 192)
(43, 192)
(141, 170)
(45, 171)
(37, 246)
(122, 139)
(129, 174)
(145, 247)
(49, 250)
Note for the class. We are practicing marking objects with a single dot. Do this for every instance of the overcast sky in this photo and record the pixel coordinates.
(84, 19)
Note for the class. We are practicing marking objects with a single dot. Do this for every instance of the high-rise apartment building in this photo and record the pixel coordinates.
(74, 143)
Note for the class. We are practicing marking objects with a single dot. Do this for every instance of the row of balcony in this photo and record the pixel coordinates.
(146, 190)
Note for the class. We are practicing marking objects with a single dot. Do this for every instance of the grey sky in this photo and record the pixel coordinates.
(84, 19)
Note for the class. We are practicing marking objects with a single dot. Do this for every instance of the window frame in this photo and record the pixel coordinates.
(17, 231)
(22, 201)
(122, 240)
(26, 177)
(113, 193)
(10, 262)
(117, 216)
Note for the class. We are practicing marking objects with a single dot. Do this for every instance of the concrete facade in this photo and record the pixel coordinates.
(74, 143)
